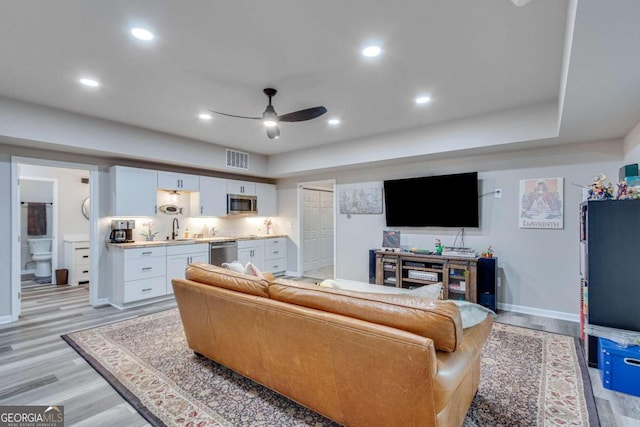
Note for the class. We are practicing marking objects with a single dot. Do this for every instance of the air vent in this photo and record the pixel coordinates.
(237, 159)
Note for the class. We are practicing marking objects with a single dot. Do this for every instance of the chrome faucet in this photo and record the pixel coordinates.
(175, 225)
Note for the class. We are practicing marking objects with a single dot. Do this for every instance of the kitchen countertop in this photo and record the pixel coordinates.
(195, 240)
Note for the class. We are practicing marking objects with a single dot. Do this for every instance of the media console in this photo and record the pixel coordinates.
(458, 274)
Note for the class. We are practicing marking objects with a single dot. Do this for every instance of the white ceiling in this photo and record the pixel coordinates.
(474, 57)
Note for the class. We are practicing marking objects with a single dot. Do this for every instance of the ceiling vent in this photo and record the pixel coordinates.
(237, 159)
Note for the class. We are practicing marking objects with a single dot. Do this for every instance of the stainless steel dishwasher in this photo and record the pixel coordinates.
(220, 252)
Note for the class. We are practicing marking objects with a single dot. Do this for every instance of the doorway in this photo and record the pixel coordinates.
(317, 225)
(49, 206)
(38, 228)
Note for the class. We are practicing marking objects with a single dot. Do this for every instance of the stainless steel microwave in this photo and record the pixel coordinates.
(240, 204)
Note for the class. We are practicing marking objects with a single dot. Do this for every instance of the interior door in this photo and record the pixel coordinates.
(311, 230)
(326, 228)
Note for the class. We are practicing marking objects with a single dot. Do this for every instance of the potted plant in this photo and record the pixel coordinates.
(148, 234)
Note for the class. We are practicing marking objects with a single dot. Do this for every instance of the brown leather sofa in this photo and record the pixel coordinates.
(360, 359)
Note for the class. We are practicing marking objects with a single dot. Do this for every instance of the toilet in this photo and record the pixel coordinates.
(40, 250)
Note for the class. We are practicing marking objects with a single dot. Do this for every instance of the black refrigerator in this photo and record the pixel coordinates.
(610, 266)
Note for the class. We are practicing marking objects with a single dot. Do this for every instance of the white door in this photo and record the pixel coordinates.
(326, 228)
(311, 230)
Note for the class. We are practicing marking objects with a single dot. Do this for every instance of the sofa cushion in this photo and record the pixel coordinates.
(438, 320)
(225, 278)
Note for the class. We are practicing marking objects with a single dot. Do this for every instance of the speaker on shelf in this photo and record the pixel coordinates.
(372, 266)
(487, 278)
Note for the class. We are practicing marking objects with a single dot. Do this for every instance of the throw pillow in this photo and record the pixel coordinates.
(428, 291)
(472, 313)
(328, 283)
(252, 270)
(234, 266)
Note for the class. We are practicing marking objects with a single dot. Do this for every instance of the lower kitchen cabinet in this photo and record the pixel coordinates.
(267, 254)
(275, 255)
(251, 250)
(138, 274)
(179, 256)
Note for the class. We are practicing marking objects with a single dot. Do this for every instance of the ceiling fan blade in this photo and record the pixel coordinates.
(302, 115)
(273, 132)
(238, 117)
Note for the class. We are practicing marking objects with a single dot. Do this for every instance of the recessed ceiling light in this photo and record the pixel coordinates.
(371, 51)
(205, 116)
(90, 82)
(424, 99)
(333, 122)
(142, 34)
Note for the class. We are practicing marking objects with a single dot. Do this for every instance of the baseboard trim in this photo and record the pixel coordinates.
(292, 273)
(540, 312)
(6, 319)
(100, 302)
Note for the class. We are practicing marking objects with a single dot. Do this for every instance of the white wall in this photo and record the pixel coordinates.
(60, 130)
(632, 146)
(539, 268)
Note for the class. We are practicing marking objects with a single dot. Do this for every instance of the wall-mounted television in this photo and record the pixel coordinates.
(432, 201)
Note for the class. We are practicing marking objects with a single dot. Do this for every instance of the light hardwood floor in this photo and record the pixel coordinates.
(38, 368)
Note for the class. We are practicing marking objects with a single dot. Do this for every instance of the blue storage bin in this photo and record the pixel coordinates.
(619, 366)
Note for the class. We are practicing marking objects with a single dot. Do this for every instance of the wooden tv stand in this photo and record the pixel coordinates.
(408, 270)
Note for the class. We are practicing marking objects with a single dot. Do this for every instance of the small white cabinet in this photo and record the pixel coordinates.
(133, 191)
(246, 188)
(76, 259)
(212, 198)
(178, 181)
(267, 199)
(275, 254)
(251, 250)
(179, 256)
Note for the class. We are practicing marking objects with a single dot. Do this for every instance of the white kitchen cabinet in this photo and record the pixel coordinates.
(138, 274)
(178, 181)
(212, 198)
(251, 250)
(179, 256)
(246, 188)
(267, 199)
(275, 254)
(133, 191)
(76, 260)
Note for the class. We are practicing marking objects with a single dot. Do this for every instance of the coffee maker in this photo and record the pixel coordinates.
(122, 230)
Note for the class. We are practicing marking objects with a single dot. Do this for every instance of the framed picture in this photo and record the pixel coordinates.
(361, 199)
(542, 203)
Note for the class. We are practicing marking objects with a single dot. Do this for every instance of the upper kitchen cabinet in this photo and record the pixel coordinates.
(212, 199)
(241, 187)
(178, 181)
(133, 191)
(267, 199)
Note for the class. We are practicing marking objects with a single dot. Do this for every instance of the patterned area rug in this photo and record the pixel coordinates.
(529, 378)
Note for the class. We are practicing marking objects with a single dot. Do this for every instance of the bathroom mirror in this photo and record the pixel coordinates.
(85, 208)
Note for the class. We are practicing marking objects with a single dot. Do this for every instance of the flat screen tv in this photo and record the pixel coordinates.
(432, 201)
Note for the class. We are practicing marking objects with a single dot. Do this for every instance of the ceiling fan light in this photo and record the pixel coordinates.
(270, 123)
(273, 132)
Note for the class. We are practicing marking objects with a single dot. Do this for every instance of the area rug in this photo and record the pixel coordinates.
(528, 378)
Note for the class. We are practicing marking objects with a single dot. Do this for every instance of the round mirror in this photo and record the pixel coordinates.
(85, 208)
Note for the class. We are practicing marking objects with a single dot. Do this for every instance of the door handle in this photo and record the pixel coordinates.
(201, 210)
(147, 268)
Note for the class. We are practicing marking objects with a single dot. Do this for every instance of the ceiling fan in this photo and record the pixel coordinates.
(271, 119)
